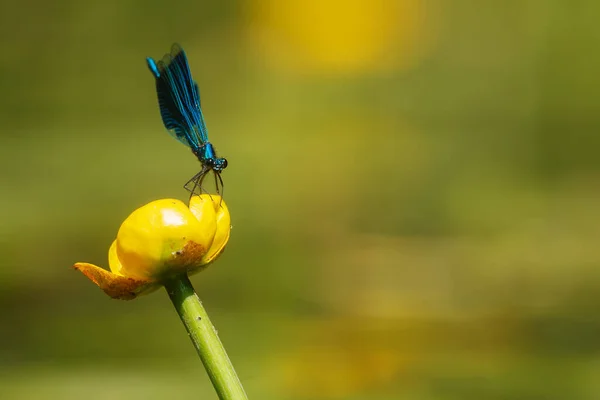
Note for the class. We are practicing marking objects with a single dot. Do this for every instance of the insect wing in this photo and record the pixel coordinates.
(178, 98)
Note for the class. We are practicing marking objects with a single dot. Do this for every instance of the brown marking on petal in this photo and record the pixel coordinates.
(116, 286)
(190, 255)
(186, 260)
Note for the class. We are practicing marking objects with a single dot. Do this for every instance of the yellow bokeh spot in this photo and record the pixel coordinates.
(341, 36)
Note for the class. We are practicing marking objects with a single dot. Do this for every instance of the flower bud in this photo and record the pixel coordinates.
(161, 239)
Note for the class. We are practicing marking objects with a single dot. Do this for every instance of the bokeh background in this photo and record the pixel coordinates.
(414, 187)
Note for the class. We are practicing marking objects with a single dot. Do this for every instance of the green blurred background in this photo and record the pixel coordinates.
(413, 185)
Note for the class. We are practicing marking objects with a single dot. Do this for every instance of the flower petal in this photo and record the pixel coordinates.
(116, 286)
(222, 232)
(161, 238)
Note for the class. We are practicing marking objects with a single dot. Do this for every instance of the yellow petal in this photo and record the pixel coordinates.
(113, 260)
(222, 233)
(116, 286)
(161, 238)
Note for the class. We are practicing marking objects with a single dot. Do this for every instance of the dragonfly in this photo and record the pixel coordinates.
(181, 113)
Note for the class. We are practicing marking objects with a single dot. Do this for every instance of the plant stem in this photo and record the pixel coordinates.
(205, 339)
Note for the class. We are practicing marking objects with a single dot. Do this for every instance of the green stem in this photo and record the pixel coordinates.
(205, 339)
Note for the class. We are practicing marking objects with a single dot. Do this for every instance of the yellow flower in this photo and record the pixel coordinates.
(161, 239)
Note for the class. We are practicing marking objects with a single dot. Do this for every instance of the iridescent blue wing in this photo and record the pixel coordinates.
(179, 98)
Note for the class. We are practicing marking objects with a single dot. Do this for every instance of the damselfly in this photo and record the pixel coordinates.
(179, 102)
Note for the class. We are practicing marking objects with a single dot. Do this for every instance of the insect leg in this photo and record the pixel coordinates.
(196, 182)
(222, 190)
